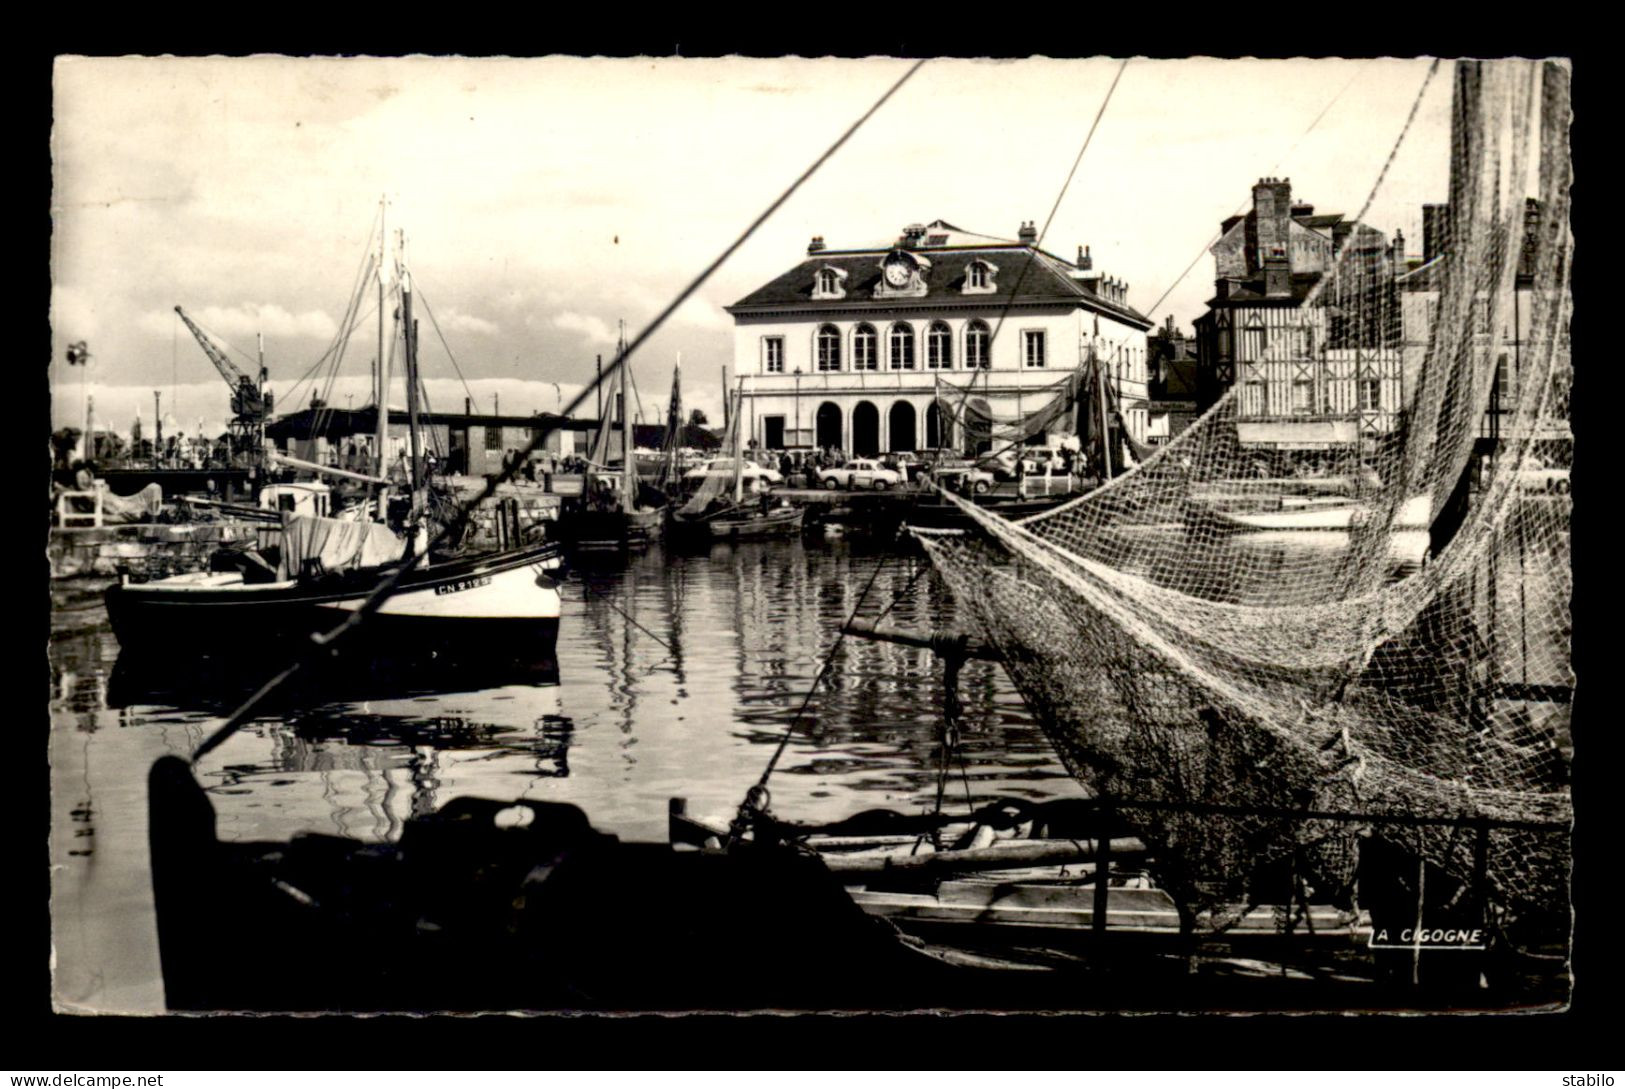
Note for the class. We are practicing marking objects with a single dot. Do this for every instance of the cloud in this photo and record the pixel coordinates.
(245, 320)
(594, 329)
(704, 315)
(455, 321)
(73, 313)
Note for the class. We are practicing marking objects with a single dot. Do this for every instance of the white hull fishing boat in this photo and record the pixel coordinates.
(325, 568)
(1319, 513)
(489, 599)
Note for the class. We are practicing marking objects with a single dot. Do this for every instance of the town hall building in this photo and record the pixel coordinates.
(853, 349)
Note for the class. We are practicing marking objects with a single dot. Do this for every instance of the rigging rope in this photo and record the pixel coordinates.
(1273, 170)
(628, 617)
(425, 300)
(1038, 244)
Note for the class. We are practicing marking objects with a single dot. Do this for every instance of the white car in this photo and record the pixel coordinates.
(960, 477)
(725, 467)
(860, 473)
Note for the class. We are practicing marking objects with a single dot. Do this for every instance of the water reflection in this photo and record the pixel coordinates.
(220, 682)
(675, 675)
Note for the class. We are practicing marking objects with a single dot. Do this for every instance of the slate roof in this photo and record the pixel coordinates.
(1251, 292)
(1045, 280)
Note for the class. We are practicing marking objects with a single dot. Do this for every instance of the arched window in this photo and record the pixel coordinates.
(829, 348)
(902, 346)
(939, 347)
(864, 351)
(976, 345)
(827, 284)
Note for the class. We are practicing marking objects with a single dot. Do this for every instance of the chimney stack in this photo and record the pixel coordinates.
(816, 244)
(1085, 262)
(912, 234)
(1435, 230)
(1272, 211)
(1028, 234)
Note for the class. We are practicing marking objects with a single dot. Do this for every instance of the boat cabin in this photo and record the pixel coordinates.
(306, 497)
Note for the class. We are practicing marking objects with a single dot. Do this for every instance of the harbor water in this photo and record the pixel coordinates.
(678, 675)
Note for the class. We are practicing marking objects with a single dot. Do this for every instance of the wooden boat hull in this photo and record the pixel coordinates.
(614, 529)
(782, 522)
(477, 916)
(487, 905)
(498, 600)
(940, 515)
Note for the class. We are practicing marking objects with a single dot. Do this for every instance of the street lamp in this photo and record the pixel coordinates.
(79, 356)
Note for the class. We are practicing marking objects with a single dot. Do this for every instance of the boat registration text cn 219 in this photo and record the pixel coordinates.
(463, 584)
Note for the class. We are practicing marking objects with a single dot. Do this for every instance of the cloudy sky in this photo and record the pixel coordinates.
(547, 199)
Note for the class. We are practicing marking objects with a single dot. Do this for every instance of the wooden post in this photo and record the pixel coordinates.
(1416, 943)
(1103, 872)
(1481, 880)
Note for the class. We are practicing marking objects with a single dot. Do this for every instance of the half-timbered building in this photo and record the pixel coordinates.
(1318, 364)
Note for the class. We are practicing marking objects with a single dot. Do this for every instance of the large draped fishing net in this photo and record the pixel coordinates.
(1409, 658)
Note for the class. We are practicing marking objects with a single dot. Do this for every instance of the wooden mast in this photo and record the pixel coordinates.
(409, 327)
(737, 454)
(381, 368)
(1105, 421)
(629, 474)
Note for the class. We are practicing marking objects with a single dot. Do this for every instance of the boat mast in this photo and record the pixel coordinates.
(735, 452)
(674, 426)
(380, 400)
(410, 331)
(629, 474)
(1105, 423)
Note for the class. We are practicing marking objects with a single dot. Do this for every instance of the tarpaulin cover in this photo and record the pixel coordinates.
(339, 545)
(975, 417)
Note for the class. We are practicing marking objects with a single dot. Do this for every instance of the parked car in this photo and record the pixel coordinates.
(1003, 465)
(963, 475)
(725, 467)
(861, 473)
(1535, 475)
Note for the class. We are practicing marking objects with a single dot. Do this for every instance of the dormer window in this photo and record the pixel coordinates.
(829, 282)
(979, 276)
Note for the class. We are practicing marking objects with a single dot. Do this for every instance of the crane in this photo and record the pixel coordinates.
(250, 404)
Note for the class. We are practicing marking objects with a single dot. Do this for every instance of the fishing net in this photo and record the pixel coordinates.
(1406, 654)
(716, 484)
